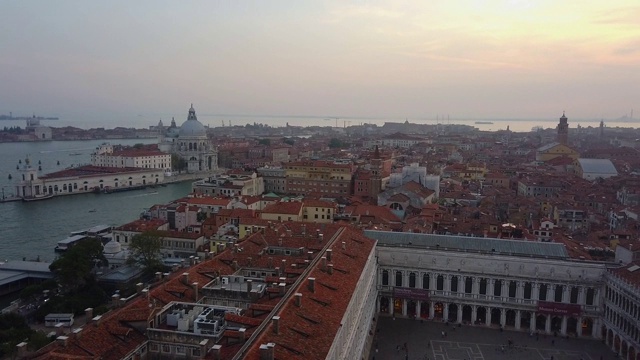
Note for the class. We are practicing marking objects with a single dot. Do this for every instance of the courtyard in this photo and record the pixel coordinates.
(402, 338)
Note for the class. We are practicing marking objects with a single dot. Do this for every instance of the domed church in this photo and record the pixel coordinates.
(191, 143)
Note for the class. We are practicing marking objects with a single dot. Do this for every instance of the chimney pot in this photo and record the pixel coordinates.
(195, 291)
(330, 269)
(309, 255)
(312, 284)
(276, 324)
(329, 252)
(185, 278)
(298, 298)
(249, 287)
(344, 245)
(324, 262)
(215, 350)
(88, 315)
(243, 334)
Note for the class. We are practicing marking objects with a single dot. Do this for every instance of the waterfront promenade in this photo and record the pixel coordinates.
(424, 340)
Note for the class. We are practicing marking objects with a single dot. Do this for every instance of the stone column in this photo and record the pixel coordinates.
(418, 308)
(582, 293)
(378, 305)
(474, 313)
(535, 291)
(475, 287)
(460, 313)
(595, 331)
(391, 306)
(488, 319)
(404, 307)
(519, 291)
(547, 325)
(579, 326)
(504, 291)
(446, 286)
(566, 294)
(432, 310)
(432, 281)
(445, 311)
(563, 326)
(503, 316)
(490, 285)
(532, 324)
(518, 319)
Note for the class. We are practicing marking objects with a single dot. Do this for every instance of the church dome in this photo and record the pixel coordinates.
(112, 247)
(192, 127)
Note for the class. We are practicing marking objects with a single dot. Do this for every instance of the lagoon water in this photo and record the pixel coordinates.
(31, 230)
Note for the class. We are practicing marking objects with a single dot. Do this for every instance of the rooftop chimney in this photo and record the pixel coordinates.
(249, 287)
(88, 315)
(115, 300)
(344, 245)
(63, 340)
(320, 237)
(270, 262)
(276, 324)
(250, 260)
(22, 349)
(329, 251)
(243, 334)
(215, 351)
(298, 298)
(289, 232)
(158, 275)
(185, 278)
(312, 284)
(309, 255)
(330, 269)
(266, 351)
(195, 291)
(139, 287)
(97, 320)
(234, 265)
(324, 262)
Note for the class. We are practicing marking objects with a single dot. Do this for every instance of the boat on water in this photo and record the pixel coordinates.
(101, 232)
(484, 122)
(37, 197)
(109, 190)
(75, 154)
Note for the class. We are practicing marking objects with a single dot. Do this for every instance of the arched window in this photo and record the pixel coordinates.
(385, 277)
(398, 278)
(425, 281)
(412, 280)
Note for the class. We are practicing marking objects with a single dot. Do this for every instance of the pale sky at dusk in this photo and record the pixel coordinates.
(470, 59)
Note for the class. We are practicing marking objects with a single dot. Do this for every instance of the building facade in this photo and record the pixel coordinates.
(147, 157)
(191, 143)
(323, 178)
(425, 276)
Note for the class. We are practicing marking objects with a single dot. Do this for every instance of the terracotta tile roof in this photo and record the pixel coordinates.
(142, 225)
(211, 201)
(290, 208)
(91, 171)
(307, 332)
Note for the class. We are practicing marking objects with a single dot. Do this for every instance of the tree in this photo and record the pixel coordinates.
(74, 268)
(145, 250)
(336, 143)
(264, 142)
(178, 163)
(138, 146)
(288, 141)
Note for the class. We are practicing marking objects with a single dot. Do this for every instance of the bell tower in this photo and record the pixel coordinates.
(563, 130)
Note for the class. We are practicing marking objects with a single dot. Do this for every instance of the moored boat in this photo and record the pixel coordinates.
(37, 198)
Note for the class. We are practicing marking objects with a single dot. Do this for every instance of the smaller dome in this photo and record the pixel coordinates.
(112, 247)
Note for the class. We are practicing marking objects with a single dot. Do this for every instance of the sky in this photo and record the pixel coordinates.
(101, 60)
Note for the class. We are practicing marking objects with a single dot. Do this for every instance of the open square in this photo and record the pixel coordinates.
(419, 340)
